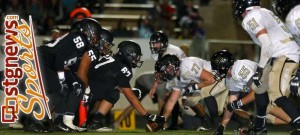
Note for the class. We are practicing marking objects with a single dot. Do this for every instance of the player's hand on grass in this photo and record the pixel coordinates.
(161, 120)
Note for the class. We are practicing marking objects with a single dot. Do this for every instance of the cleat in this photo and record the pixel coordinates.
(63, 127)
(98, 127)
(257, 131)
(295, 132)
(16, 125)
(219, 130)
(206, 124)
(37, 128)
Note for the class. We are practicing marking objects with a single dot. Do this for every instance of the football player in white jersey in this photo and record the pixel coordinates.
(159, 46)
(186, 76)
(290, 12)
(238, 79)
(279, 58)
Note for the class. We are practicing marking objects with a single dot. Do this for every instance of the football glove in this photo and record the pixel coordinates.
(87, 99)
(78, 88)
(234, 105)
(64, 86)
(185, 103)
(257, 76)
(160, 120)
(137, 92)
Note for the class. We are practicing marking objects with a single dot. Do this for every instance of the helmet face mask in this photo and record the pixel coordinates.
(136, 60)
(168, 72)
(156, 47)
(221, 62)
(106, 43)
(158, 42)
(167, 67)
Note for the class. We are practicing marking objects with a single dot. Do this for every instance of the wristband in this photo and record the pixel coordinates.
(240, 103)
(87, 90)
(195, 86)
(61, 75)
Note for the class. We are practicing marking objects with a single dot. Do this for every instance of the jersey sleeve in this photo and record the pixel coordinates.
(190, 69)
(242, 71)
(123, 77)
(253, 21)
(180, 54)
(94, 55)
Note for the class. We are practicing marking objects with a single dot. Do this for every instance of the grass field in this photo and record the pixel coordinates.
(6, 131)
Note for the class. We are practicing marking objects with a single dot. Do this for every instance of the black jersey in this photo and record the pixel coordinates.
(66, 51)
(108, 74)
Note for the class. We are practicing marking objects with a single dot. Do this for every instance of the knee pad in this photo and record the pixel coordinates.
(211, 105)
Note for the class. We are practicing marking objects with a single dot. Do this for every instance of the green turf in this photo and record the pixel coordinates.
(7, 131)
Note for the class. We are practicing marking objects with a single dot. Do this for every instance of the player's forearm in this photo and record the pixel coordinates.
(173, 98)
(134, 102)
(265, 47)
(83, 69)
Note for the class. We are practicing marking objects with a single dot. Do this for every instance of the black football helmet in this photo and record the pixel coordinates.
(283, 7)
(90, 28)
(166, 67)
(106, 42)
(158, 37)
(221, 62)
(130, 53)
(239, 7)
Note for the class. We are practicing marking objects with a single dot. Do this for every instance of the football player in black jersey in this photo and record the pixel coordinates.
(92, 57)
(60, 61)
(109, 77)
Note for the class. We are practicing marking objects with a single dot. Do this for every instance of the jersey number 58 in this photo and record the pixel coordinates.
(78, 42)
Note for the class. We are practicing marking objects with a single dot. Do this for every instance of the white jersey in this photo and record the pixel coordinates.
(190, 70)
(281, 39)
(171, 49)
(241, 71)
(292, 22)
